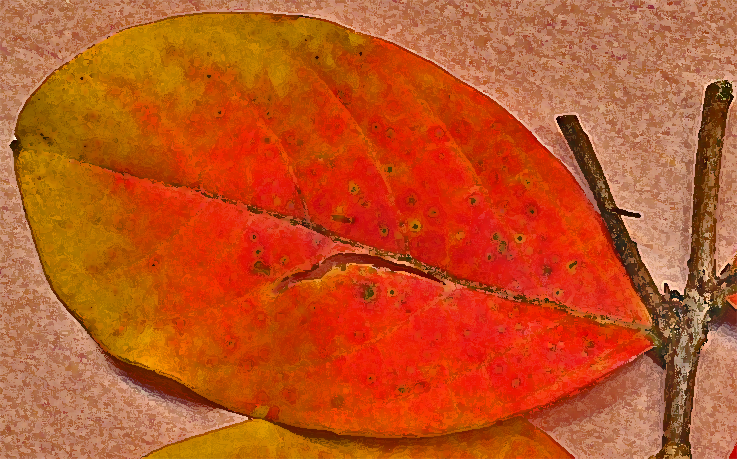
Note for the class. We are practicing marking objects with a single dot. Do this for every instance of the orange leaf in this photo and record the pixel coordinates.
(313, 226)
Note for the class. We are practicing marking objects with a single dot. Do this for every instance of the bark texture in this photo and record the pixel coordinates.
(680, 322)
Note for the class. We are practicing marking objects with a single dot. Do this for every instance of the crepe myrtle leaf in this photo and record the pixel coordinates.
(514, 438)
(317, 227)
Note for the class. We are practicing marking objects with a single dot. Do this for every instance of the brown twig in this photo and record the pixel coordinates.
(702, 272)
(681, 321)
(626, 248)
(690, 332)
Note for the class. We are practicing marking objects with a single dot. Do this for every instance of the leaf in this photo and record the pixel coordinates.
(514, 438)
(313, 226)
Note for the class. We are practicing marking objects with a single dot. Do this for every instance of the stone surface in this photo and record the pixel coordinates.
(634, 72)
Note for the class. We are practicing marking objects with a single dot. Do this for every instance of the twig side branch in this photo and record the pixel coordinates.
(626, 248)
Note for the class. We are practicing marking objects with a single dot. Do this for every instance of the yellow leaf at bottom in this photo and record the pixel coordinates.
(514, 438)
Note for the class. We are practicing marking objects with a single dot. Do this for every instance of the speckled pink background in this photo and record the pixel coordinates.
(633, 71)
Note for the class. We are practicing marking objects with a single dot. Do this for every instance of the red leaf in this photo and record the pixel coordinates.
(197, 187)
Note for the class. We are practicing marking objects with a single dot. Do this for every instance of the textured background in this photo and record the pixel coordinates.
(634, 73)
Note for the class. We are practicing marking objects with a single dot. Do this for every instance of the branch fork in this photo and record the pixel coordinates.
(680, 322)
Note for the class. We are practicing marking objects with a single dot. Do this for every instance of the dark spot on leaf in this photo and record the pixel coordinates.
(337, 401)
(368, 292)
(384, 230)
(547, 270)
(433, 212)
(342, 219)
(261, 269)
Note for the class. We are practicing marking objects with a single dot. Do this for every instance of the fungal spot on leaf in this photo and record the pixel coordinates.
(515, 383)
(389, 169)
(547, 270)
(368, 292)
(495, 237)
(572, 266)
(519, 238)
(342, 219)
(375, 127)
(411, 200)
(261, 269)
(258, 251)
(433, 212)
(284, 260)
(415, 225)
(392, 292)
(353, 188)
(502, 247)
(383, 230)
(531, 211)
(558, 293)
(337, 401)
(501, 328)
(498, 369)
(254, 237)
(403, 389)
(371, 379)
(473, 200)
(390, 133)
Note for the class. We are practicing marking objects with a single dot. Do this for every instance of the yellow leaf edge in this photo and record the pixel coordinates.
(256, 438)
